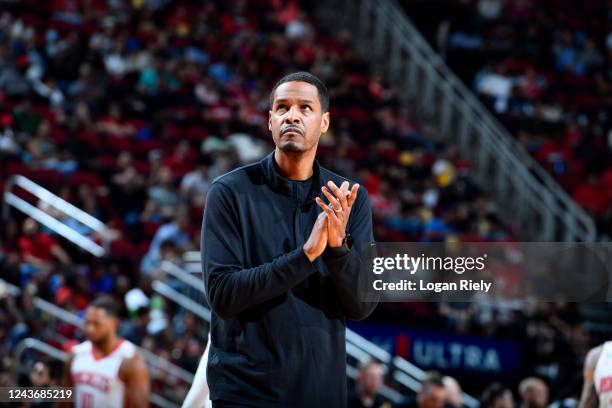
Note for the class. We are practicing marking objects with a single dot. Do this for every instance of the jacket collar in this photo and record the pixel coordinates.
(285, 186)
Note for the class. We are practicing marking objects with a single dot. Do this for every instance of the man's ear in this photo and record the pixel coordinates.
(270, 120)
(325, 122)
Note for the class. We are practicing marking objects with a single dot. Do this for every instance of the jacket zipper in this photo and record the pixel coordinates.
(296, 218)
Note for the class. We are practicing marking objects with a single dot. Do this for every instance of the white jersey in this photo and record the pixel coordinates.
(199, 395)
(603, 376)
(96, 379)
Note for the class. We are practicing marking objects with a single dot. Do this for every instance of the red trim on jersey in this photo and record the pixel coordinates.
(93, 353)
(605, 384)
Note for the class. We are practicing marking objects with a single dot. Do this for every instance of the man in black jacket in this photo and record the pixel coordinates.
(282, 265)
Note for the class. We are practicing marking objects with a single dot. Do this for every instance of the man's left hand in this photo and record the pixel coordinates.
(338, 210)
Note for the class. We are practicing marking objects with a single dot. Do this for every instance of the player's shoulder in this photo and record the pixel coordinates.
(133, 360)
(127, 348)
(81, 348)
(593, 356)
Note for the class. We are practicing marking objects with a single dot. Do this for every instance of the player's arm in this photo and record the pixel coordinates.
(589, 397)
(135, 375)
(67, 381)
(230, 287)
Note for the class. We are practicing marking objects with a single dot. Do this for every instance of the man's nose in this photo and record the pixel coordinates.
(293, 115)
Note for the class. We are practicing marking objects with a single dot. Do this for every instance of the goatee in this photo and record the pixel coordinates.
(291, 147)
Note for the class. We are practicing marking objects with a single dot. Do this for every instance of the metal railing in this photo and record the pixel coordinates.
(525, 192)
(184, 275)
(44, 195)
(181, 300)
(192, 261)
(357, 347)
(57, 354)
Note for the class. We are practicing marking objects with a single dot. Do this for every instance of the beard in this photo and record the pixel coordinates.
(291, 147)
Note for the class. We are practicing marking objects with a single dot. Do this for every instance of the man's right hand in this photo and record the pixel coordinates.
(317, 241)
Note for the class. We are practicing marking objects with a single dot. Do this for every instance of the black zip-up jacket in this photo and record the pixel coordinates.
(278, 324)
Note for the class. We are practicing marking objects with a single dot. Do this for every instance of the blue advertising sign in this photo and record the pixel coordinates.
(447, 352)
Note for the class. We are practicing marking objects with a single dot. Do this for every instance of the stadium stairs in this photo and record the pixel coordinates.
(537, 207)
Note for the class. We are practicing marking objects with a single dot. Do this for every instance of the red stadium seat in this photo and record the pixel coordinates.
(143, 147)
(59, 135)
(18, 168)
(117, 144)
(122, 248)
(48, 178)
(197, 134)
(142, 167)
(107, 162)
(93, 140)
(81, 177)
(150, 228)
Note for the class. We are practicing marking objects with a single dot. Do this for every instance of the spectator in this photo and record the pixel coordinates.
(175, 231)
(533, 392)
(135, 329)
(490, 9)
(432, 393)
(38, 250)
(497, 396)
(195, 184)
(45, 374)
(152, 261)
(454, 395)
(8, 142)
(114, 124)
(367, 387)
(164, 199)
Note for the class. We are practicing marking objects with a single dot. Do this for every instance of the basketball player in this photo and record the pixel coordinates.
(597, 388)
(105, 370)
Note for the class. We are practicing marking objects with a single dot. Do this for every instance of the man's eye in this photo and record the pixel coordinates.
(306, 107)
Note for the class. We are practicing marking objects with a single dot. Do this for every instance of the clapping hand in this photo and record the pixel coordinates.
(338, 210)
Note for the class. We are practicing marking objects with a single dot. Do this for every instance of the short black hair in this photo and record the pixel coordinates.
(304, 76)
(108, 304)
(492, 393)
(432, 379)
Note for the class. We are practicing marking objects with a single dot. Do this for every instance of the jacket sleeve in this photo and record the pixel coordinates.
(231, 288)
(351, 280)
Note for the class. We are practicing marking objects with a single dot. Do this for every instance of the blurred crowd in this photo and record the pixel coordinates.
(440, 391)
(545, 69)
(129, 109)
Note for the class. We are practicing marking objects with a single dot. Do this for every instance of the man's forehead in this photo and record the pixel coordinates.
(296, 90)
(96, 313)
